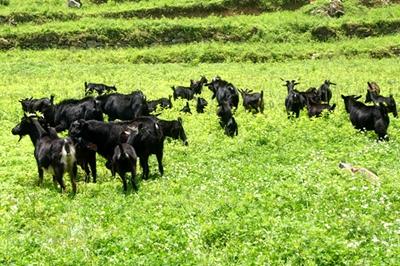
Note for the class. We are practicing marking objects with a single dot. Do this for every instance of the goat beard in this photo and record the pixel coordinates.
(20, 137)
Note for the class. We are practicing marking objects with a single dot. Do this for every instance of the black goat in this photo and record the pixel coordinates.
(197, 86)
(52, 154)
(182, 92)
(311, 94)
(253, 100)
(201, 104)
(123, 107)
(186, 109)
(36, 105)
(294, 101)
(227, 121)
(162, 102)
(173, 129)
(124, 161)
(315, 109)
(145, 135)
(99, 88)
(389, 102)
(224, 91)
(324, 91)
(365, 117)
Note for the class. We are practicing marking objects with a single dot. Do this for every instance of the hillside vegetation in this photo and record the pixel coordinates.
(273, 195)
(115, 25)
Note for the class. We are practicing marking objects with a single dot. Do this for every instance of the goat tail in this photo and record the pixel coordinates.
(332, 107)
(68, 154)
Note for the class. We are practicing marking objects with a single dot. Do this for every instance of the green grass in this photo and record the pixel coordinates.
(272, 195)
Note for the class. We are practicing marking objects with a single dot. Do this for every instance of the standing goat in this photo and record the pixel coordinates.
(253, 100)
(124, 161)
(53, 154)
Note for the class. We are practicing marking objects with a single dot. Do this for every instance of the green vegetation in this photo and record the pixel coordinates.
(272, 195)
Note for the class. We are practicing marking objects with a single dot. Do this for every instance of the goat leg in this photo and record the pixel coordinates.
(40, 171)
(72, 176)
(144, 163)
(133, 178)
(159, 156)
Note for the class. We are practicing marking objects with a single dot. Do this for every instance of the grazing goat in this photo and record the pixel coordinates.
(315, 109)
(173, 129)
(253, 100)
(186, 109)
(201, 104)
(53, 154)
(224, 91)
(227, 121)
(36, 105)
(61, 115)
(123, 107)
(124, 161)
(311, 94)
(99, 88)
(365, 117)
(162, 102)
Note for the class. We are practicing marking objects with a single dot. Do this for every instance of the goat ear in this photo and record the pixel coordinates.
(343, 97)
(357, 97)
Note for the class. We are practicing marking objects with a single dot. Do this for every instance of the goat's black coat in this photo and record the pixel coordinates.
(197, 86)
(173, 129)
(124, 161)
(162, 102)
(201, 104)
(61, 115)
(324, 91)
(52, 153)
(253, 101)
(315, 109)
(123, 107)
(146, 135)
(294, 101)
(186, 109)
(182, 92)
(70, 110)
(227, 121)
(365, 117)
(224, 91)
(389, 102)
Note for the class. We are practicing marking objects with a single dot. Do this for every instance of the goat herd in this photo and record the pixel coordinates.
(138, 134)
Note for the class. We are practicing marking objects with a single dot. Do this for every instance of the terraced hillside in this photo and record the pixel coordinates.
(206, 31)
(272, 195)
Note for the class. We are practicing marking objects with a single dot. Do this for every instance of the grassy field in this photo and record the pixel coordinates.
(272, 195)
